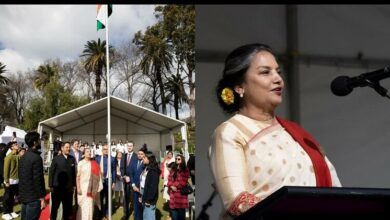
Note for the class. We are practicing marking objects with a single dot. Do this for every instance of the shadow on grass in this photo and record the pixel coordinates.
(158, 214)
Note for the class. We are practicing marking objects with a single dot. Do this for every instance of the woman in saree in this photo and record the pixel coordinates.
(165, 173)
(255, 153)
(89, 184)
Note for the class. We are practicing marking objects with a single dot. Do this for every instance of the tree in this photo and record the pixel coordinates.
(128, 69)
(19, 92)
(69, 75)
(5, 108)
(3, 80)
(33, 114)
(150, 96)
(176, 91)
(156, 56)
(55, 99)
(95, 53)
(86, 80)
(179, 27)
(44, 75)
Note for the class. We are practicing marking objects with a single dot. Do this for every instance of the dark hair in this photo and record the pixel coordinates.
(172, 165)
(31, 137)
(11, 143)
(152, 160)
(116, 155)
(236, 65)
(63, 144)
(179, 168)
(85, 149)
(144, 148)
(183, 165)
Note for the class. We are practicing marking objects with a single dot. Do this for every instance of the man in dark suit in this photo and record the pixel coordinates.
(77, 154)
(31, 182)
(136, 171)
(62, 182)
(103, 163)
(128, 160)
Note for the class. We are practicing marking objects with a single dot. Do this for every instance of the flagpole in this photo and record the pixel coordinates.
(108, 121)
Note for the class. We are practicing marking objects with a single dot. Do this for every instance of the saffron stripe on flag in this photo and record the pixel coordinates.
(102, 11)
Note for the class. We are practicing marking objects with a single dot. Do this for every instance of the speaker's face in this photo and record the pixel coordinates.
(263, 85)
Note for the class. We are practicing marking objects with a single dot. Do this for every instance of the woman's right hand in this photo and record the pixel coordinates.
(43, 203)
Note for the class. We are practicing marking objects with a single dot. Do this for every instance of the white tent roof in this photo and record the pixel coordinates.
(88, 123)
(124, 110)
(6, 136)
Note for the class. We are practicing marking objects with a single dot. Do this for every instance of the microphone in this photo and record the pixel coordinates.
(343, 85)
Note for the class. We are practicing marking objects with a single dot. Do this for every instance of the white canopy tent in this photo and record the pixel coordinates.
(7, 135)
(88, 123)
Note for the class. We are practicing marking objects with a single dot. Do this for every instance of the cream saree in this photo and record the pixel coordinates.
(90, 187)
(252, 159)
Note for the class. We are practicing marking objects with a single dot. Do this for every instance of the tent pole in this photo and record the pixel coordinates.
(185, 142)
(292, 63)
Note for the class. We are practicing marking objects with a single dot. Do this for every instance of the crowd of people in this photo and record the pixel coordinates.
(78, 174)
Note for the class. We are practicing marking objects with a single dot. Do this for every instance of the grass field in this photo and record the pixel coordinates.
(161, 211)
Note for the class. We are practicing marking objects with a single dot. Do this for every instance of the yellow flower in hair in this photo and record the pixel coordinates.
(227, 96)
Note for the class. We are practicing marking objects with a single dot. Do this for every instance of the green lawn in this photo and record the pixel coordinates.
(161, 213)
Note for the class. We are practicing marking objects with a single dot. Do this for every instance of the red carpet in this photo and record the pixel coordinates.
(45, 214)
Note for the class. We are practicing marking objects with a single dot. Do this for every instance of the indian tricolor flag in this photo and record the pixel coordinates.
(102, 11)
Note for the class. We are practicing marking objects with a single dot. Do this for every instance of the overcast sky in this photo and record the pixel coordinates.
(31, 34)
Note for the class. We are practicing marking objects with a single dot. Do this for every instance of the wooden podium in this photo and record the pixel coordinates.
(320, 203)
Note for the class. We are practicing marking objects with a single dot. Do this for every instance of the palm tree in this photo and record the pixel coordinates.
(179, 26)
(175, 87)
(3, 80)
(43, 75)
(157, 56)
(95, 53)
(5, 110)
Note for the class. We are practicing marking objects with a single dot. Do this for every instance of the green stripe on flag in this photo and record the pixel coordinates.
(100, 25)
(101, 16)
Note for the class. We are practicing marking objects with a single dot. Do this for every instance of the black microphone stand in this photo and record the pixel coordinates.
(203, 215)
(378, 88)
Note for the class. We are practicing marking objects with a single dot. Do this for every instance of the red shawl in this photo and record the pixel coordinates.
(93, 185)
(310, 145)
